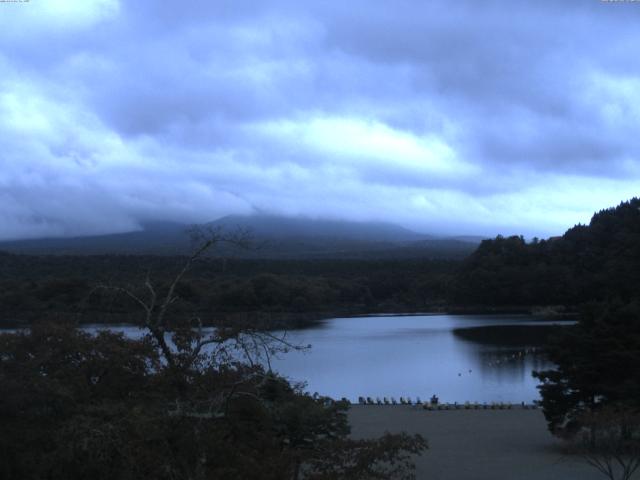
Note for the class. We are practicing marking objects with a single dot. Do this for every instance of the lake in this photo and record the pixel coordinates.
(476, 358)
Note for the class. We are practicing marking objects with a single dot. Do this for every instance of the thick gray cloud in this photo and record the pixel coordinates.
(468, 117)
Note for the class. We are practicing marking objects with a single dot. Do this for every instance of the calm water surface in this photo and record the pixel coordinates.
(459, 358)
(477, 358)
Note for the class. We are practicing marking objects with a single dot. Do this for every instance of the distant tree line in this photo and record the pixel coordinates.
(60, 286)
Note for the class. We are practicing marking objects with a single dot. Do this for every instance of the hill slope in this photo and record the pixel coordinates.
(278, 237)
(275, 227)
(589, 262)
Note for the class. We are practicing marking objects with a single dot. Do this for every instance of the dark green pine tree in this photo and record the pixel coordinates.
(598, 364)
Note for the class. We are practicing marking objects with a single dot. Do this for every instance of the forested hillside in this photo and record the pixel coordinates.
(59, 286)
(595, 262)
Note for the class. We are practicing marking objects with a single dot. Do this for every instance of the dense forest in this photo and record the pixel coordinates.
(32, 286)
(594, 262)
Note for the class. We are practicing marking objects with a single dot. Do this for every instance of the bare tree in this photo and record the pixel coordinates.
(191, 402)
(183, 343)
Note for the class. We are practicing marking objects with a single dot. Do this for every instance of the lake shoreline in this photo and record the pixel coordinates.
(461, 358)
(291, 320)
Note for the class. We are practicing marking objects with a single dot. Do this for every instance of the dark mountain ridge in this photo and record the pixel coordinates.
(277, 227)
(277, 237)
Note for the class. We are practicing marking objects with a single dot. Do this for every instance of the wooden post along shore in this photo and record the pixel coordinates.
(436, 405)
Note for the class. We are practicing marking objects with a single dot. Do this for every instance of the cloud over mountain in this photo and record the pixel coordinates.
(444, 116)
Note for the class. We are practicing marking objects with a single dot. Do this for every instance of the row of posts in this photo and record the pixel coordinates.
(434, 404)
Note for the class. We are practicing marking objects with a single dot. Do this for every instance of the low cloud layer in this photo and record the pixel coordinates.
(446, 117)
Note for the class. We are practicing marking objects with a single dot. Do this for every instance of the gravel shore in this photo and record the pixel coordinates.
(476, 444)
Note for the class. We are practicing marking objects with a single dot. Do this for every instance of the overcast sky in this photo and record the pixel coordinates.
(465, 116)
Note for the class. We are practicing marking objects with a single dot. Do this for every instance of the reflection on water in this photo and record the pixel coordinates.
(478, 358)
(511, 366)
(459, 358)
(509, 353)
